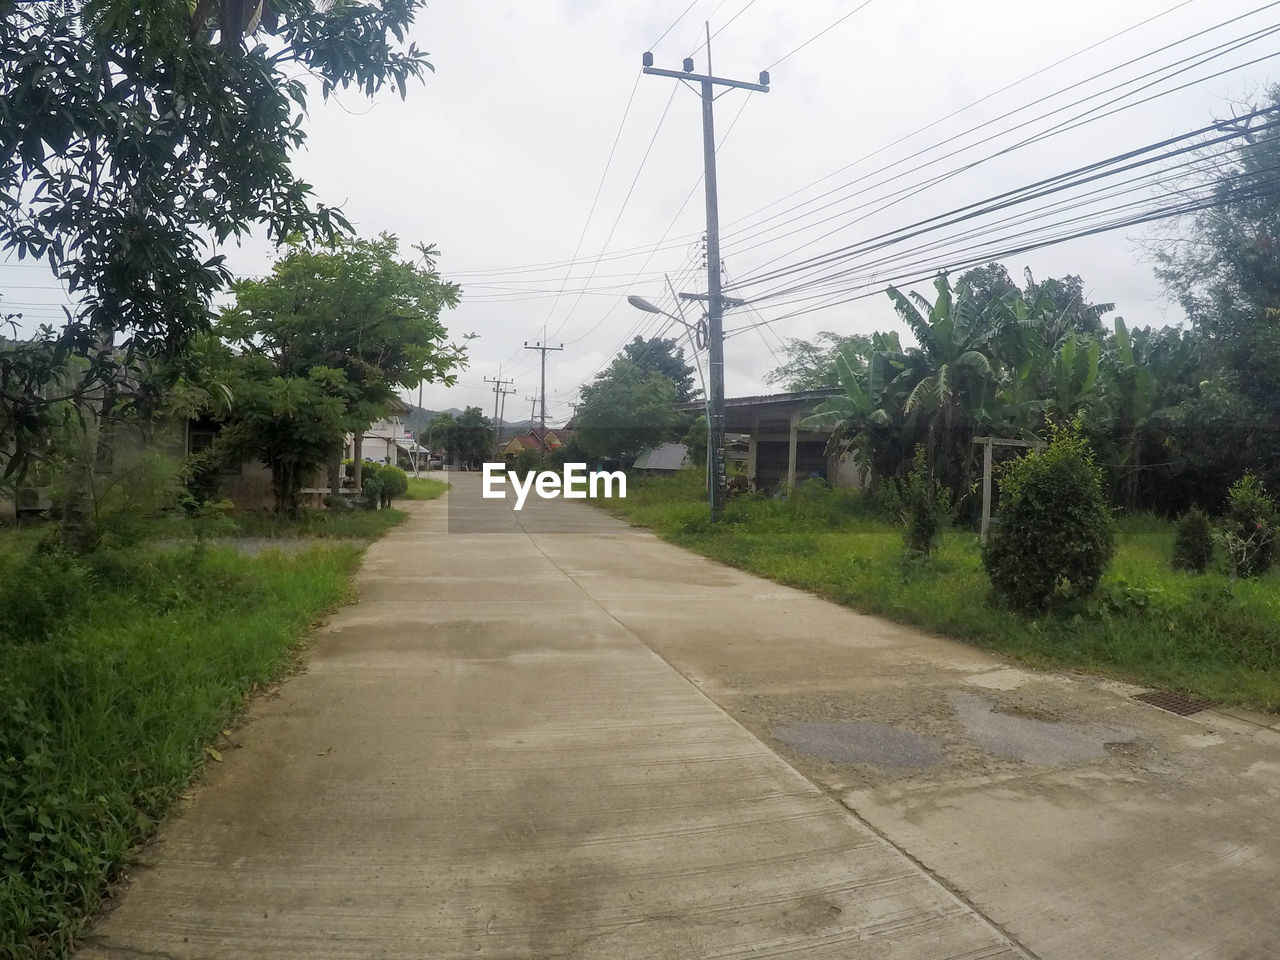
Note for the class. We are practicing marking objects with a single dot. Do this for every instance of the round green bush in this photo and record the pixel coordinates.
(1056, 534)
(1193, 547)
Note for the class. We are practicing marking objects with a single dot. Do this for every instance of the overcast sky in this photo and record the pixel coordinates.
(497, 158)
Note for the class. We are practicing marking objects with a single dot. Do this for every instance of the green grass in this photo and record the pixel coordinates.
(1147, 623)
(342, 524)
(424, 488)
(117, 670)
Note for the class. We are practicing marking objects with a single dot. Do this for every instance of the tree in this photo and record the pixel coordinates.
(1221, 266)
(664, 357)
(354, 306)
(293, 423)
(625, 409)
(132, 145)
(811, 364)
(949, 381)
(438, 430)
(470, 437)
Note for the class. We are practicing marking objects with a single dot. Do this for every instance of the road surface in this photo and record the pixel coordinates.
(551, 735)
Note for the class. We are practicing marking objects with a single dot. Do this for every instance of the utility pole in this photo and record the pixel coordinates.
(533, 409)
(715, 301)
(417, 439)
(499, 392)
(543, 349)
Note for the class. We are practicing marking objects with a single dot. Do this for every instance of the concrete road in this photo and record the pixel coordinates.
(481, 761)
(551, 735)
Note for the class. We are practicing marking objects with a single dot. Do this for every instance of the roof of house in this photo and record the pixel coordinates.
(769, 399)
(665, 456)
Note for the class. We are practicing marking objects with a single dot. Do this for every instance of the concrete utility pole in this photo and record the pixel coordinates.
(715, 301)
(533, 409)
(417, 439)
(499, 392)
(543, 349)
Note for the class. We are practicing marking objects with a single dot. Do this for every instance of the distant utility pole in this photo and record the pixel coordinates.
(533, 409)
(543, 349)
(499, 392)
(715, 300)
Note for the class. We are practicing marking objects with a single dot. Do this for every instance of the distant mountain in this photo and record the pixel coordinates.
(419, 419)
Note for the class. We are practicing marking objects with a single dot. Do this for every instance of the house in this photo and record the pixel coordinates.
(247, 485)
(385, 440)
(779, 451)
(555, 438)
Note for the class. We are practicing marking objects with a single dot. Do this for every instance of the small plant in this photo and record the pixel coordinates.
(925, 507)
(1248, 528)
(1056, 533)
(1193, 548)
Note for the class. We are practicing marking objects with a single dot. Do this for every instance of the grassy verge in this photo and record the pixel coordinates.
(341, 524)
(1148, 623)
(117, 673)
(424, 488)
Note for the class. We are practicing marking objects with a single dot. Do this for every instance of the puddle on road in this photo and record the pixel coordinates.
(857, 741)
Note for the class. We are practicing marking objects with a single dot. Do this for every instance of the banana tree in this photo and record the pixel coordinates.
(1130, 396)
(859, 425)
(949, 382)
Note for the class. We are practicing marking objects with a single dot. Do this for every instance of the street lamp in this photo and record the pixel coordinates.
(696, 335)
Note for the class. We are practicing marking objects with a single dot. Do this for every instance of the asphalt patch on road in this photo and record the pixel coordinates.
(859, 741)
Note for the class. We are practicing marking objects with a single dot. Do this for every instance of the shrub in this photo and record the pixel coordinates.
(371, 481)
(1193, 547)
(526, 462)
(395, 483)
(1056, 533)
(201, 477)
(1249, 527)
(40, 592)
(925, 507)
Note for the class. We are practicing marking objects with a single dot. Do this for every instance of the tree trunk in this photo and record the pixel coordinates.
(357, 460)
(79, 507)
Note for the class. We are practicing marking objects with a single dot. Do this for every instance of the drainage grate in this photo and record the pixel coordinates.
(1183, 704)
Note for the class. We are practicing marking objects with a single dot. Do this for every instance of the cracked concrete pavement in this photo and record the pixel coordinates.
(552, 735)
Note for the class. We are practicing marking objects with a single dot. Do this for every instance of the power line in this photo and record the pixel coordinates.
(822, 32)
(925, 269)
(1120, 163)
(736, 237)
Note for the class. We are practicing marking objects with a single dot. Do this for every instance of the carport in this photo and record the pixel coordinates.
(778, 450)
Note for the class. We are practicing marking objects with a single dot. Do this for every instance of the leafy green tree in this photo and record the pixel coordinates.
(625, 409)
(470, 437)
(354, 306)
(949, 381)
(438, 431)
(135, 139)
(293, 423)
(811, 364)
(1221, 266)
(665, 357)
